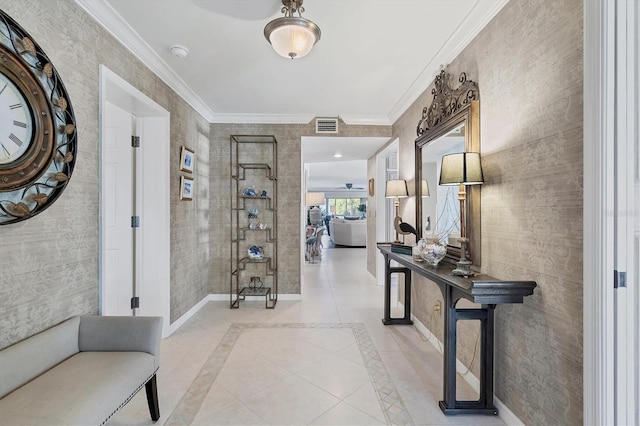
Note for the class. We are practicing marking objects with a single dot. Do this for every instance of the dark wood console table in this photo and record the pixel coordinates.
(482, 289)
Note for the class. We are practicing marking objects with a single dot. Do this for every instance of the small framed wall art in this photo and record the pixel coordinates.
(187, 160)
(371, 187)
(186, 188)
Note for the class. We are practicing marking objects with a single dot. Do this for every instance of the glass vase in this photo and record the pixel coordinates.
(433, 250)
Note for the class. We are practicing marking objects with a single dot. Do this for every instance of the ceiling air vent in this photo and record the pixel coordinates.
(326, 125)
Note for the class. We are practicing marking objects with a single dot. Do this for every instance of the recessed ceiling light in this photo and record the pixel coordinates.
(337, 155)
(179, 51)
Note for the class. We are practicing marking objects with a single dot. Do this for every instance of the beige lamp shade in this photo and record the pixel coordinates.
(314, 198)
(396, 188)
(424, 188)
(461, 168)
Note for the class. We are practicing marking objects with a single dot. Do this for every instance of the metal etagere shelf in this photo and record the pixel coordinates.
(254, 185)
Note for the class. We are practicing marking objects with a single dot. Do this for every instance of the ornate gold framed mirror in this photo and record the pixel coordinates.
(450, 124)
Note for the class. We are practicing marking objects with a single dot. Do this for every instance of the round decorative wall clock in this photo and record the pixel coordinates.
(38, 140)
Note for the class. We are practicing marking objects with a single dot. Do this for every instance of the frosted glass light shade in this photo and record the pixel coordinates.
(292, 37)
(461, 168)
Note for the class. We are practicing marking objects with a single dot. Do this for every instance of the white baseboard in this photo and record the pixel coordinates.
(289, 297)
(191, 312)
(225, 297)
(219, 298)
(505, 414)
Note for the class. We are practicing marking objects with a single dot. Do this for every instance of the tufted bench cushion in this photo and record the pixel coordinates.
(79, 372)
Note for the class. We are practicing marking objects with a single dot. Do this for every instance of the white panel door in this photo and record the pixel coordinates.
(152, 205)
(117, 196)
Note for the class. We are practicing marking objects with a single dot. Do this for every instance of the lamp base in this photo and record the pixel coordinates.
(463, 269)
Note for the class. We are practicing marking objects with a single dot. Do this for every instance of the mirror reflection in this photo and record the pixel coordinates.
(441, 209)
(451, 124)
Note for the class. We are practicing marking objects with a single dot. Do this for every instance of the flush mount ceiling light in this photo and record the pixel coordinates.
(291, 36)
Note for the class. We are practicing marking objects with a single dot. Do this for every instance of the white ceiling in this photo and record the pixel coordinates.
(373, 60)
(327, 173)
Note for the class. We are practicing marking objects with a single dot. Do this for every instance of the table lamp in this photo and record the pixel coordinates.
(424, 192)
(397, 189)
(314, 198)
(462, 168)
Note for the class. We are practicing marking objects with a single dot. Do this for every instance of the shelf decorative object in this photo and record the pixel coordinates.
(254, 242)
(254, 220)
(255, 253)
(255, 283)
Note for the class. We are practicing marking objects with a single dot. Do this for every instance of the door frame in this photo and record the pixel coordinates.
(152, 195)
(611, 109)
(382, 218)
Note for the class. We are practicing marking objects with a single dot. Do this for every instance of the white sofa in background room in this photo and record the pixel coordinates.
(348, 232)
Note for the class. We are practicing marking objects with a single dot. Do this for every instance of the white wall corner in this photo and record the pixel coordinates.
(599, 124)
(187, 315)
(476, 19)
(105, 15)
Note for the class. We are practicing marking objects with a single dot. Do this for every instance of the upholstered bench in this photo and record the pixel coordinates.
(80, 371)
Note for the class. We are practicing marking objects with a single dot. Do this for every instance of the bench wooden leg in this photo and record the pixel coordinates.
(152, 398)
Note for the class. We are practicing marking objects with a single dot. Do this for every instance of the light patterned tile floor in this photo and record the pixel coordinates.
(325, 360)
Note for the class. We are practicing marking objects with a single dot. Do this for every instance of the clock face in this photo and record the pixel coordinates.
(16, 122)
(38, 139)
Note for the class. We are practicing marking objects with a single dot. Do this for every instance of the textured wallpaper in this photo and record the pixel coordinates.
(289, 196)
(528, 64)
(49, 264)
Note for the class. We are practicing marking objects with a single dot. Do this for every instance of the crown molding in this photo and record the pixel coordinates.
(262, 118)
(471, 25)
(366, 120)
(103, 13)
(295, 119)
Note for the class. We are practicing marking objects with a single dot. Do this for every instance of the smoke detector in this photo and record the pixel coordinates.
(179, 51)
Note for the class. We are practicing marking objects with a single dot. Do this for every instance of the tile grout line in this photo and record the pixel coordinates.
(186, 410)
(389, 399)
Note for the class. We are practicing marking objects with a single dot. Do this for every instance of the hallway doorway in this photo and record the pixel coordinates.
(134, 202)
(386, 169)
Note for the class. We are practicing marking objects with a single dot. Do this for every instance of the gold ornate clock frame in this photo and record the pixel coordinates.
(33, 177)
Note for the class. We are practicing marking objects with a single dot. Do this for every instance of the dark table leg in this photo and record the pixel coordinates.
(388, 270)
(449, 404)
